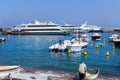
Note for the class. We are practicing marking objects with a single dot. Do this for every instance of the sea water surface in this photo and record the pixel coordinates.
(32, 51)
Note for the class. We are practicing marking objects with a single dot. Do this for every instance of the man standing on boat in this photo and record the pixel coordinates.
(82, 71)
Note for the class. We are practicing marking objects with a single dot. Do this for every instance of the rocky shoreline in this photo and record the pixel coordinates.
(60, 75)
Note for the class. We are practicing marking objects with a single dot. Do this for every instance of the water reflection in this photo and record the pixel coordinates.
(107, 57)
(34, 49)
(85, 56)
(78, 54)
(57, 54)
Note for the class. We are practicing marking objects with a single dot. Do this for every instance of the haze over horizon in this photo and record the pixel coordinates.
(104, 13)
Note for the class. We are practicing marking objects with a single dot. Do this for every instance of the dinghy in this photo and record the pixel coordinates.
(87, 74)
(61, 46)
(54, 47)
(64, 45)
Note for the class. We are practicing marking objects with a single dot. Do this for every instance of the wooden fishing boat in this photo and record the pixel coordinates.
(91, 74)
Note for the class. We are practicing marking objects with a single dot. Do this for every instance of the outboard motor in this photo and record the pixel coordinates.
(60, 42)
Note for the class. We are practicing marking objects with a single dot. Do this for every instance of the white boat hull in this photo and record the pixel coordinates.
(39, 33)
(54, 47)
(61, 48)
(77, 47)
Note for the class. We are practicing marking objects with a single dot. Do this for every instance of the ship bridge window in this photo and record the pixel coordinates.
(40, 29)
(42, 25)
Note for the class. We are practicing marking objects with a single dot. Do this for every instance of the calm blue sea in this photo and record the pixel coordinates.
(32, 51)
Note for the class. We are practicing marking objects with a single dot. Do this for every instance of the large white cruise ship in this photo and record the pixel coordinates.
(90, 28)
(45, 28)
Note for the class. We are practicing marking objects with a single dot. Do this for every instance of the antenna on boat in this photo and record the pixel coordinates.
(37, 22)
(85, 23)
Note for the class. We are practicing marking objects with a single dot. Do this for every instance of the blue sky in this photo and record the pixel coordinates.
(104, 13)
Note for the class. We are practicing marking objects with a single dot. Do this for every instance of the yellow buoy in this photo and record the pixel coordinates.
(69, 51)
(97, 46)
(107, 53)
(85, 52)
(69, 54)
(113, 47)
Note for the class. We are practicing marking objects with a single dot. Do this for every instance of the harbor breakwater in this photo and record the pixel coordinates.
(6, 31)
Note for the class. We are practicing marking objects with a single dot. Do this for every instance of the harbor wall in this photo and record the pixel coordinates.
(110, 30)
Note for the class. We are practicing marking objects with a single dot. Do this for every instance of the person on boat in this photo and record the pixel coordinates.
(82, 71)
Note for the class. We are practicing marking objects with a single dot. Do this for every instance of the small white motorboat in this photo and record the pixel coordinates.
(96, 36)
(113, 36)
(61, 46)
(55, 46)
(77, 47)
(91, 74)
(64, 45)
(2, 39)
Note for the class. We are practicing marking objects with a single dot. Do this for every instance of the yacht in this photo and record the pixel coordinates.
(49, 28)
(90, 28)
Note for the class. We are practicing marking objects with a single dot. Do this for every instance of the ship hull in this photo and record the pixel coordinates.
(38, 33)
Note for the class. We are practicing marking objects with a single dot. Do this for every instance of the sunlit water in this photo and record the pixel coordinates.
(32, 51)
